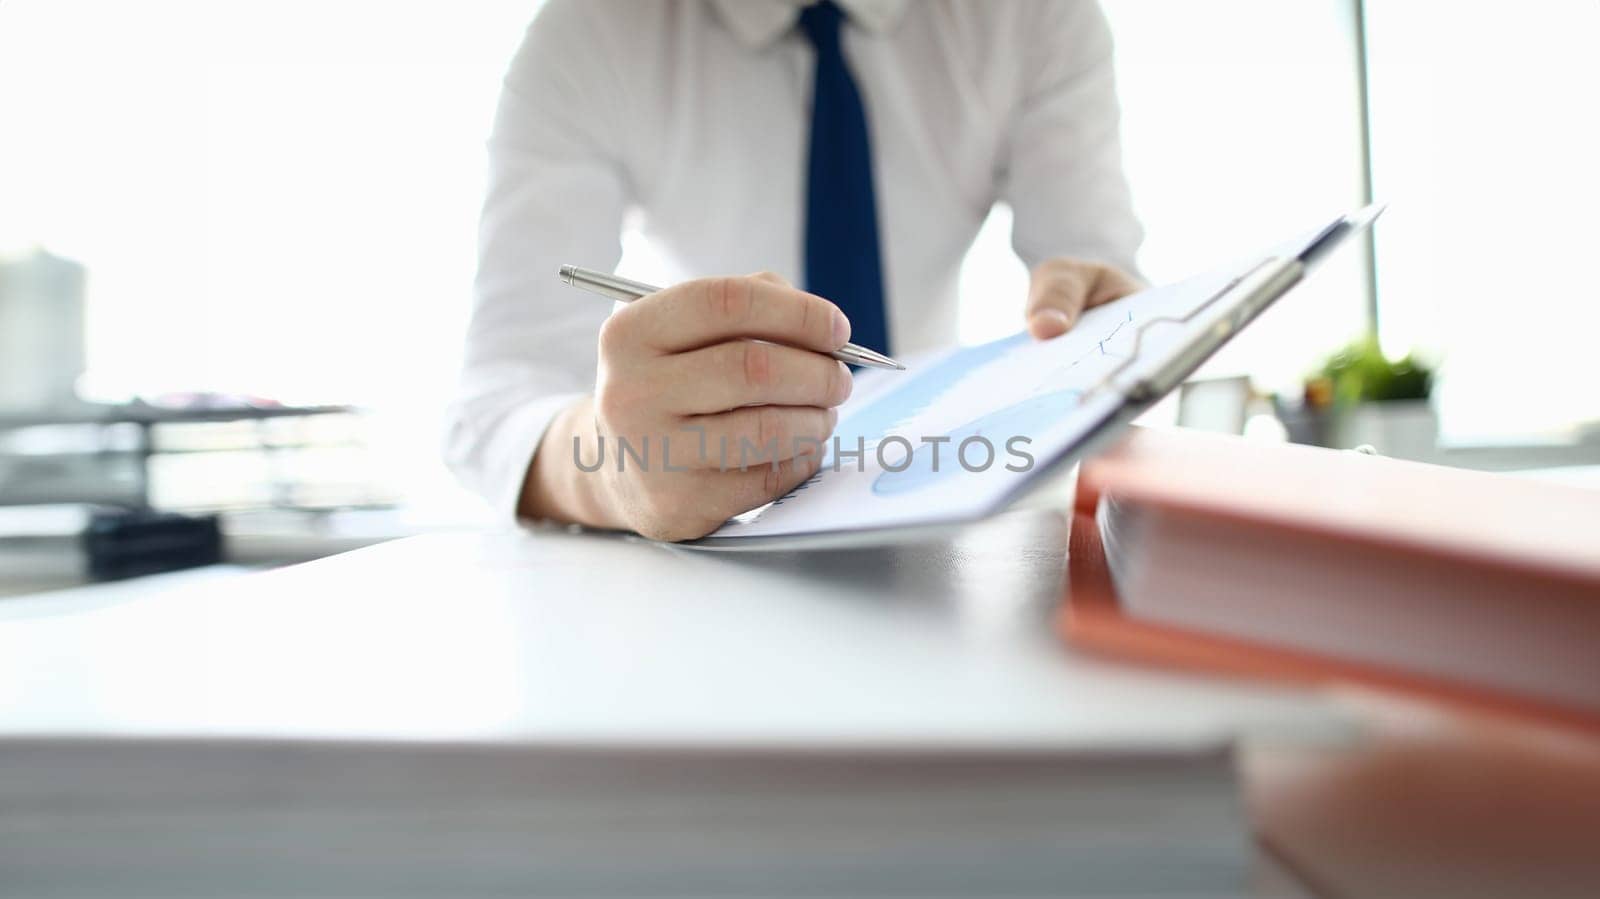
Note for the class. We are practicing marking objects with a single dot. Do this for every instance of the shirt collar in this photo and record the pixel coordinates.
(758, 23)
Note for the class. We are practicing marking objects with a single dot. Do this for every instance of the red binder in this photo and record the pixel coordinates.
(1433, 559)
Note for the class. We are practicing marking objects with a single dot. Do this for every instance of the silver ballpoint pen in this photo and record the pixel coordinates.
(627, 291)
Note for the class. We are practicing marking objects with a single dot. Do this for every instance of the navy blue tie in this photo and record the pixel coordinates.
(842, 259)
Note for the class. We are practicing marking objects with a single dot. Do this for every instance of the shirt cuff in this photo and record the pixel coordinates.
(497, 467)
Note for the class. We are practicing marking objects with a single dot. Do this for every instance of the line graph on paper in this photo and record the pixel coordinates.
(944, 399)
(1057, 390)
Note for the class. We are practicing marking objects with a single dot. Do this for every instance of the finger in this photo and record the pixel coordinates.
(755, 436)
(698, 502)
(1051, 322)
(765, 483)
(1061, 289)
(713, 310)
(1056, 296)
(746, 372)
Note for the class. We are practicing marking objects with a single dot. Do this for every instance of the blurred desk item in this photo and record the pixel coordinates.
(1408, 430)
(145, 483)
(590, 714)
(41, 330)
(130, 544)
(1313, 565)
(42, 547)
(1582, 451)
(1433, 805)
(73, 454)
(1219, 405)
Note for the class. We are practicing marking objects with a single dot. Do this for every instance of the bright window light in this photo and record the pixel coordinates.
(1485, 140)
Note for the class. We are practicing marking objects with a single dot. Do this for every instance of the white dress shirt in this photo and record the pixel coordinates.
(694, 116)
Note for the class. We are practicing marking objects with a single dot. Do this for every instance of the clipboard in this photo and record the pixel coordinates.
(1107, 408)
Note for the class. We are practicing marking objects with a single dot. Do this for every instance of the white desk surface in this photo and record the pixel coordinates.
(560, 638)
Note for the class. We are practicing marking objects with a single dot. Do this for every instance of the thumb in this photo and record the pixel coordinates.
(1056, 297)
(1063, 288)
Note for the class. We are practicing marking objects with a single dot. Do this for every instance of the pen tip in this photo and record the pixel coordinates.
(566, 273)
(899, 367)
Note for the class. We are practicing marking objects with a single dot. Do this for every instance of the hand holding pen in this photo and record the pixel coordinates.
(728, 383)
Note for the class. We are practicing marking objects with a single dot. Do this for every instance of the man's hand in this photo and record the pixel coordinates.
(730, 374)
(1063, 288)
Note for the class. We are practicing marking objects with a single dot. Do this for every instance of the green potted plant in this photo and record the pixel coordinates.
(1362, 396)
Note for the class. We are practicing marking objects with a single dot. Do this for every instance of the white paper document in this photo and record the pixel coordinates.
(956, 434)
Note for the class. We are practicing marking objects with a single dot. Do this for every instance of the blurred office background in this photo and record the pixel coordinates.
(236, 243)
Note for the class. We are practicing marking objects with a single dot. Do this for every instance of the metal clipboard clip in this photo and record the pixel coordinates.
(1247, 296)
(1254, 290)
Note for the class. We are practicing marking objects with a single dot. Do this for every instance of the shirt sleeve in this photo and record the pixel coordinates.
(1062, 172)
(556, 194)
